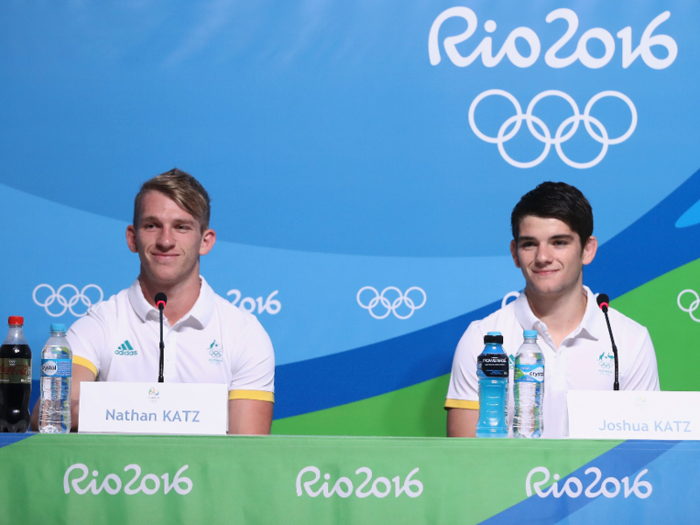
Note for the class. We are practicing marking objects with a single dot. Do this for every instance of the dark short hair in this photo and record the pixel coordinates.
(182, 188)
(555, 200)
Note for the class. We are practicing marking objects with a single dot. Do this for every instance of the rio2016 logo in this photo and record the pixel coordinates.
(629, 54)
(112, 483)
(270, 305)
(572, 487)
(536, 126)
(344, 487)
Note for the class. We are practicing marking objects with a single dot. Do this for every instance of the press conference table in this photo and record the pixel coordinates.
(121, 479)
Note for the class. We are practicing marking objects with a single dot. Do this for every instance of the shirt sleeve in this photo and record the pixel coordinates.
(253, 372)
(87, 338)
(463, 391)
(642, 372)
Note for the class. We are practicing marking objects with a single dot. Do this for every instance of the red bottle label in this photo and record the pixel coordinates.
(15, 370)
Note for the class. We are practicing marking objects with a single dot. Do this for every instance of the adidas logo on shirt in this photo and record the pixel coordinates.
(125, 349)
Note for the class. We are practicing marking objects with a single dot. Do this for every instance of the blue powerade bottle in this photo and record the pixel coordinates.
(492, 372)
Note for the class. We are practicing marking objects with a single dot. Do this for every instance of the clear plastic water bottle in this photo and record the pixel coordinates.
(56, 379)
(492, 372)
(528, 385)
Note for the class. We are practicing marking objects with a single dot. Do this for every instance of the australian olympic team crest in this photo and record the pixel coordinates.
(606, 363)
(215, 353)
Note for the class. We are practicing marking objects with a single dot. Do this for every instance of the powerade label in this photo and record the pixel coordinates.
(56, 367)
(15, 370)
(529, 373)
(493, 365)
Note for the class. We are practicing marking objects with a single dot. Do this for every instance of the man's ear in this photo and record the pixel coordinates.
(208, 240)
(514, 253)
(589, 250)
(131, 238)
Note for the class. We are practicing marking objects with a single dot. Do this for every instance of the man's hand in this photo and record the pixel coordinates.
(249, 416)
(461, 422)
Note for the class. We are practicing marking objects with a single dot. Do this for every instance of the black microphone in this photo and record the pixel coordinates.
(603, 301)
(161, 300)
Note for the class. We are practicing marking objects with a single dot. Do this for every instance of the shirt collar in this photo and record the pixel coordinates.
(590, 324)
(593, 322)
(199, 315)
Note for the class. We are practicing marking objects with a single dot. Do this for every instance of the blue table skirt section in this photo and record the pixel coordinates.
(7, 438)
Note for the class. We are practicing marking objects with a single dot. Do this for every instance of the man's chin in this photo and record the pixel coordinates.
(545, 289)
(164, 279)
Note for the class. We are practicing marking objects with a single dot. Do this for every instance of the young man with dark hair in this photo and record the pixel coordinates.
(552, 240)
(208, 340)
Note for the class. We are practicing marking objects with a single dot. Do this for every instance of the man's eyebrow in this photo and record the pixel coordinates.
(180, 220)
(525, 238)
(562, 236)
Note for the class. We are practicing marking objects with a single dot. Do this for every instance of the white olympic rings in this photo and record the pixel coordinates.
(545, 136)
(67, 304)
(693, 306)
(391, 306)
(509, 295)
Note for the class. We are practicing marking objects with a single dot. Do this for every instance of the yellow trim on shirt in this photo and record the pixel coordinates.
(77, 360)
(257, 395)
(460, 403)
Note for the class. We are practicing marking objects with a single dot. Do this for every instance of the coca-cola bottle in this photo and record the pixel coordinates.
(15, 379)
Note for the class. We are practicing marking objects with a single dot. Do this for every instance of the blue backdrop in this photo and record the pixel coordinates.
(359, 155)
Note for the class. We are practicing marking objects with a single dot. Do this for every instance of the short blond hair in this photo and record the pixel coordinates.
(183, 189)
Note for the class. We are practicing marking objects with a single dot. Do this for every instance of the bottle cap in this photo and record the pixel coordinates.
(493, 339)
(58, 327)
(493, 333)
(530, 334)
(15, 319)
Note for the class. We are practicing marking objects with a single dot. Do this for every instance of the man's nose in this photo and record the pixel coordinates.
(544, 254)
(165, 239)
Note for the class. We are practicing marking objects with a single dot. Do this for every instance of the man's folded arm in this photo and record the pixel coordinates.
(251, 392)
(80, 373)
(461, 422)
(249, 416)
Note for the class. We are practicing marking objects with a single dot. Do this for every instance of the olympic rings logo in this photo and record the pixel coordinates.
(693, 306)
(215, 353)
(541, 132)
(391, 306)
(67, 303)
(509, 295)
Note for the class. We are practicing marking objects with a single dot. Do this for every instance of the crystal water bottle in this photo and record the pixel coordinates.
(528, 385)
(492, 372)
(56, 370)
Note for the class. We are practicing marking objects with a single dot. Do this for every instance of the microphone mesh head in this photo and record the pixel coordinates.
(161, 298)
(603, 299)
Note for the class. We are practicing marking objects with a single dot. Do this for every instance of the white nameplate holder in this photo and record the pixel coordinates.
(153, 408)
(595, 414)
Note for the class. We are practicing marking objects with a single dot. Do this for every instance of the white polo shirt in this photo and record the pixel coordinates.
(583, 361)
(215, 342)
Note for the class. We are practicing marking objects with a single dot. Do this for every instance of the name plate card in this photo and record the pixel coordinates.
(153, 408)
(608, 414)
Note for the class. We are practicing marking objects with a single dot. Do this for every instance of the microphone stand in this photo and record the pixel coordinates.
(161, 299)
(162, 347)
(616, 384)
